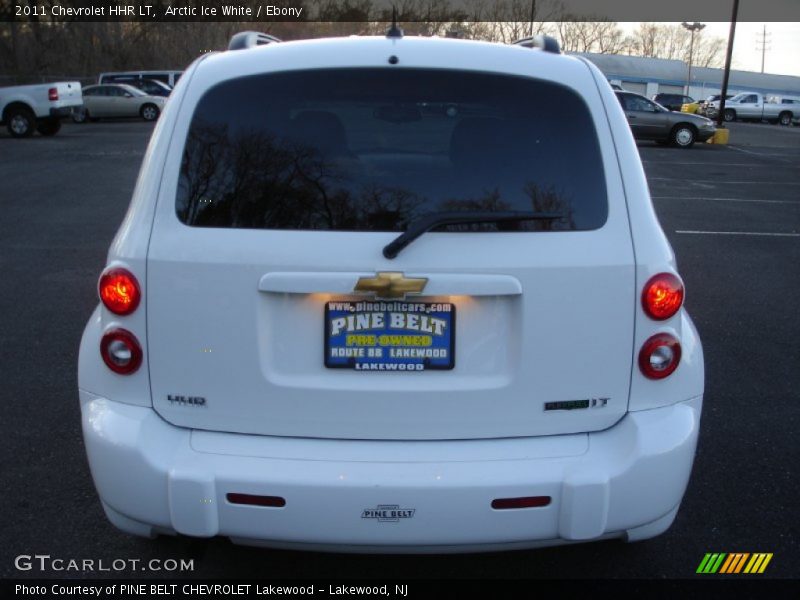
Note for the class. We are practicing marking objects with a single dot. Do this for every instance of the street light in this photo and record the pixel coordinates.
(693, 27)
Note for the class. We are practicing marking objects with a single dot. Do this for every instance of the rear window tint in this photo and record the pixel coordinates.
(374, 149)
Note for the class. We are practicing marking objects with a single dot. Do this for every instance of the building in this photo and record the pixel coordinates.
(650, 76)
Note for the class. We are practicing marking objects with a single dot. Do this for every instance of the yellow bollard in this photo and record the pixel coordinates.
(719, 137)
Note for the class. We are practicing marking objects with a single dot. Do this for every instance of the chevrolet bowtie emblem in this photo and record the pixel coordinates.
(390, 285)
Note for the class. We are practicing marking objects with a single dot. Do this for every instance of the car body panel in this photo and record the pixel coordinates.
(265, 392)
(625, 482)
(159, 470)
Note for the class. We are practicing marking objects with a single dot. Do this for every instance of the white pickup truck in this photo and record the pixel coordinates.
(41, 107)
(754, 106)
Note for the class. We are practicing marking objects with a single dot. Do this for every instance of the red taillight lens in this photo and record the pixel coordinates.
(52, 94)
(121, 351)
(119, 291)
(662, 296)
(659, 356)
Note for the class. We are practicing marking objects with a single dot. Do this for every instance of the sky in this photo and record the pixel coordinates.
(783, 45)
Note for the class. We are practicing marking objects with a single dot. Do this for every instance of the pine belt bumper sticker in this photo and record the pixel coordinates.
(390, 336)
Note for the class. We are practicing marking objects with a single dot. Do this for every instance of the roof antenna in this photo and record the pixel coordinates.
(394, 31)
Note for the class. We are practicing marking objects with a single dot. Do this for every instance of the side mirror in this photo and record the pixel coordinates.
(128, 95)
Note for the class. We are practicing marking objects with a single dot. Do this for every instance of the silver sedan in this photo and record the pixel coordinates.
(118, 100)
(651, 121)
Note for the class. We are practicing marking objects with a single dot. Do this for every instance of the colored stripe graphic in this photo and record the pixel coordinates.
(758, 563)
(734, 563)
(727, 564)
(711, 562)
(741, 562)
(703, 563)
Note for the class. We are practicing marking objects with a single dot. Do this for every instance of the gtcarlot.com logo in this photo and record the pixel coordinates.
(45, 562)
(734, 563)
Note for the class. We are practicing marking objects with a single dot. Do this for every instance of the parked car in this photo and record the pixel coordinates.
(25, 108)
(168, 77)
(396, 292)
(793, 104)
(118, 100)
(651, 121)
(701, 110)
(691, 107)
(752, 106)
(151, 87)
(672, 101)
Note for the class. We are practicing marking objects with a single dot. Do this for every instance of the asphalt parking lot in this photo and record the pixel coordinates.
(731, 212)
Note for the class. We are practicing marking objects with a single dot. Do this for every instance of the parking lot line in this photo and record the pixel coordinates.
(757, 201)
(751, 233)
(782, 156)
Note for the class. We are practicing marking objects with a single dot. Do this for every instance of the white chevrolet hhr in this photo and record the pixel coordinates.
(391, 294)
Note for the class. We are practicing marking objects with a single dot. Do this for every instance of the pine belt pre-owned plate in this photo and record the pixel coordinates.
(376, 335)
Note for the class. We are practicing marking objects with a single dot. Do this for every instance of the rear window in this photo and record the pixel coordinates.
(374, 149)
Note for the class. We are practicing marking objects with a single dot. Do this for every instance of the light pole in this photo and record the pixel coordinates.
(692, 27)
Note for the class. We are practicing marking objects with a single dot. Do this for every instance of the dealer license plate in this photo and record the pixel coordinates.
(375, 335)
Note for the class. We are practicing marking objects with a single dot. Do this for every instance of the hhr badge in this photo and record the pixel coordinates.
(388, 513)
(186, 400)
(390, 285)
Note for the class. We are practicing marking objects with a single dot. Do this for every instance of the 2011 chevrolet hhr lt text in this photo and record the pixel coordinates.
(391, 294)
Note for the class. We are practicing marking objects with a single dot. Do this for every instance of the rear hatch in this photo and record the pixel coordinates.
(270, 303)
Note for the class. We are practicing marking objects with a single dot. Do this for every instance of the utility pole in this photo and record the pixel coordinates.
(533, 16)
(762, 45)
(728, 56)
(693, 28)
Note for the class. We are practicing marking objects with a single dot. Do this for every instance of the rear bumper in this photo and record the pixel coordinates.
(63, 112)
(626, 481)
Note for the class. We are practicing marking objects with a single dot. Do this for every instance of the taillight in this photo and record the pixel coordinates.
(662, 296)
(52, 94)
(659, 356)
(121, 351)
(119, 291)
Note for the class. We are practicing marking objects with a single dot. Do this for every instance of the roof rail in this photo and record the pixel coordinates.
(250, 39)
(543, 42)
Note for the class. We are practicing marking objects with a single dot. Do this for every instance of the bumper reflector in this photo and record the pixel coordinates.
(524, 502)
(253, 500)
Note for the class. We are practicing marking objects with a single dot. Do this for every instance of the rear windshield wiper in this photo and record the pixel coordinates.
(436, 219)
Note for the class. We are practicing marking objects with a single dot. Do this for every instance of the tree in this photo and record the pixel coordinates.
(673, 42)
(603, 37)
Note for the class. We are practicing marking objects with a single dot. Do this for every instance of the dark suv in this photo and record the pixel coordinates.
(672, 101)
